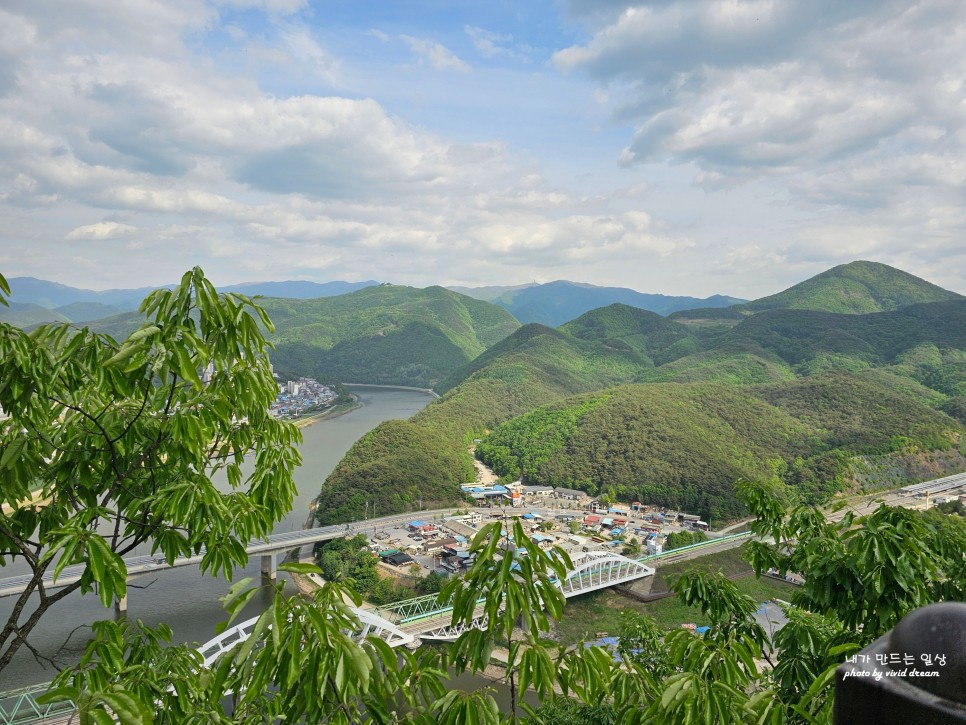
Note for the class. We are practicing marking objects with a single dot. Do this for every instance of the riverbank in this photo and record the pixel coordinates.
(304, 421)
(428, 391)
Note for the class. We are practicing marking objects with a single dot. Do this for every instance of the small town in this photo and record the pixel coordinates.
(301, 396)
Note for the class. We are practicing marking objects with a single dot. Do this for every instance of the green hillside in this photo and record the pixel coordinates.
(533, 366)
(80, 312)
(855, 288)
(385, 334)
(380, 334)
(26, 314)
(685, 445)
(621, 327)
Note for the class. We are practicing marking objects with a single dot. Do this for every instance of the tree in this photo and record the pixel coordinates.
(678, 539)
(120, 442)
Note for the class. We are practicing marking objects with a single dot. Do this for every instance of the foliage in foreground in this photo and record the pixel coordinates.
(301, 664)
(120, 443)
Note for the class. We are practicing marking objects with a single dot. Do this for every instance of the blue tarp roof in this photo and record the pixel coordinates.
(417, 523)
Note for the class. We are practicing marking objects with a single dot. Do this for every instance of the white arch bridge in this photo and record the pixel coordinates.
(425, 617)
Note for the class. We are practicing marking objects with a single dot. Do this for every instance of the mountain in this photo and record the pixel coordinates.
(854, 288)
(555, 303)
(684, 446)
(531, 367)
(621, 327)
(86, 311)
(386, 334)
(821, 399)
(56, 296)
(25, 314)
(493, 292)
(53, 295)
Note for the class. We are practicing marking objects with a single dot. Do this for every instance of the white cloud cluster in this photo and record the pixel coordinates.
(855, 109)
(763, 141)
(170, 159)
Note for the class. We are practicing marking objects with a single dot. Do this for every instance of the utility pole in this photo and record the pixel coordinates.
(367, 510)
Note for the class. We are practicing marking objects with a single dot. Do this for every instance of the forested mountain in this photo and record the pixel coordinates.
(808, 395)
(685, 445)
(385, 334)
(53, 294)
(555, 303)
(854, 288)
(87, 311)
(25, 314)
(533, 366)
(56, 296)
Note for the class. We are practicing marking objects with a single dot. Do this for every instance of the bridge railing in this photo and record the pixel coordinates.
(18, 707)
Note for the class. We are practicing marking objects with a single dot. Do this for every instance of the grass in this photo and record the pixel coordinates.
(587, 615)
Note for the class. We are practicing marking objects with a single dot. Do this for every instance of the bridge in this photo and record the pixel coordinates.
(424, 617)
(267, 548)
(428, 619)
(372, 625)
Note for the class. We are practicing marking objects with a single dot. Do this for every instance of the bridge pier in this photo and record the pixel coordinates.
(269, 570)
(120, 606)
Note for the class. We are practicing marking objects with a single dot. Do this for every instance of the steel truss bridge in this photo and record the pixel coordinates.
(593, 570)
(399, 624)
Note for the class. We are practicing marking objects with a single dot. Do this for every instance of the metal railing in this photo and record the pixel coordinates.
(20, 706)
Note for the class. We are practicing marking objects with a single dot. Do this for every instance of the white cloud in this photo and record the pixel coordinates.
(101, 230)
(436, 54)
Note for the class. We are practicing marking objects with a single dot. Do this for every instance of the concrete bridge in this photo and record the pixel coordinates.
(267, 548)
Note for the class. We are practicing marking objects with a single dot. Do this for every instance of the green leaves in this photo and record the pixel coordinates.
(125, 438)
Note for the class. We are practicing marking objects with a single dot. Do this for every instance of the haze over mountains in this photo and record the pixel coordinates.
(33, 300)
(555, 303)
(550, 304)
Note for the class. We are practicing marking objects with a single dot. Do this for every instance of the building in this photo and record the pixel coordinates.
(543, 491)
(569, 494)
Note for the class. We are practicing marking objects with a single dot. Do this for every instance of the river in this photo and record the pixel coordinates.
(184, 598)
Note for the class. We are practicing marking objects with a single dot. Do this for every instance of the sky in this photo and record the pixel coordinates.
(688, 147)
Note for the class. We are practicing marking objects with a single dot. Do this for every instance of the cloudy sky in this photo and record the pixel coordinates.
(675, 146)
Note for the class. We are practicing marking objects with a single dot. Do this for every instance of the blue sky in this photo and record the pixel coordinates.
(675, 146)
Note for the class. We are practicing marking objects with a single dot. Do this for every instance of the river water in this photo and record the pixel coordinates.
(184, 598)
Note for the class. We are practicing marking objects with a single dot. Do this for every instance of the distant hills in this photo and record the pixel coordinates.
(555, 303)
(855, 288)
(34, 301)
